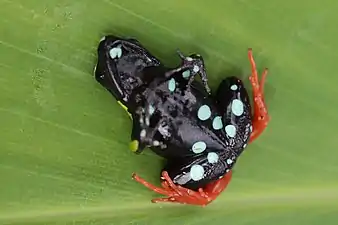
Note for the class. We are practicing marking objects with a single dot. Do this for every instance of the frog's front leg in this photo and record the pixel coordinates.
(190, 67)
(144, 129)
(261, 117)
(198, 67)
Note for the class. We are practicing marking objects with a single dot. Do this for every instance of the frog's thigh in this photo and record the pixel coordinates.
(233, 101)
(227, 88)
(196, 172)
(232, 90)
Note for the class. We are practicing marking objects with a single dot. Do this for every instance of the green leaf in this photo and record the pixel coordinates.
(64, 155)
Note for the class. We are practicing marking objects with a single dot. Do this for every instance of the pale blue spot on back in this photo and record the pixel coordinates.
(212, 157)
(237, 107)
(199, 147)
(151, 109)
(204, 112)
(230, 130)
(172, 85)
(186, 74)
(233, 87)
(196, 172)
(217, 123)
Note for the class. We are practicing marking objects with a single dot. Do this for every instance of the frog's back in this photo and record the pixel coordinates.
(195, 124)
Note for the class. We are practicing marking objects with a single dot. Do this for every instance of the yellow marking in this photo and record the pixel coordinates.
(133, 145)
(125, 108)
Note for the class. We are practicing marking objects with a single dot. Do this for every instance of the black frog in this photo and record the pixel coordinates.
(200, 134)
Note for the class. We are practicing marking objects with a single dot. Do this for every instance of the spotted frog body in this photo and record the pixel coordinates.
(200, 134)
(200, 140)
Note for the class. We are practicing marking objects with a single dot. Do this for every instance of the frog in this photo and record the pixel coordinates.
(200, 134)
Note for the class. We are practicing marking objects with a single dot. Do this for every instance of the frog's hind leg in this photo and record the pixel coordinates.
(233, 102)
(261, 117)
(176, 193)
(229, 89)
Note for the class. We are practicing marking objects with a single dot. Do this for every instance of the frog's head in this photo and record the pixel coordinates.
(120, 62)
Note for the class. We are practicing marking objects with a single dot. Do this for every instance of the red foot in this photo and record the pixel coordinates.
(261, 117)
(178, 194)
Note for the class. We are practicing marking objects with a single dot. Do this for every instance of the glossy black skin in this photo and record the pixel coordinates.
(173, 127)
(126, 69)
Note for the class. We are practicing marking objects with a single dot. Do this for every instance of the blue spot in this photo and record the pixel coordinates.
(172, 84)
(204, 112)
(233, 87)
(143, 133)
(186, 74)
(230, 130)
(217, 123)
(196, 69)
(212, 157)
(199, 147)
(196, 172)
(115, 52)
(237, 107)
(151, 109)
(229, 161)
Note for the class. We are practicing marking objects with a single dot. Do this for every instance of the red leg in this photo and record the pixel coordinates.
(216, 187)
(158, 200)
(261, 117)
(162, 191)
(261, 84)
(178, 194)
